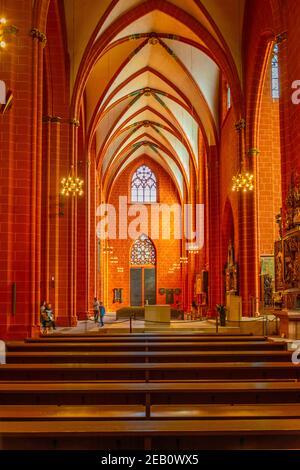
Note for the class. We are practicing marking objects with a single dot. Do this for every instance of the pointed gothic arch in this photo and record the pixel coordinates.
(142, 272)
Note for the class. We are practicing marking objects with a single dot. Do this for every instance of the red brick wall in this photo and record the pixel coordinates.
(30, 168)
(262, 22)
(268, 169)
(16, 231)
(167, 251)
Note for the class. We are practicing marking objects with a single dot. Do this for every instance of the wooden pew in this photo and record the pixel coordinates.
(111, 357)
(152, 434)
(151, 371)
(96, 412)
(143, 338)
(14, 346)
(74, 393)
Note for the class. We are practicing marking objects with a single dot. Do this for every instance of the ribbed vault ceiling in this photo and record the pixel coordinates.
(153, 87)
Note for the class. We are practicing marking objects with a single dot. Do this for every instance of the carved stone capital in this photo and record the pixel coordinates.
(241, 124)
(75, 122)
(39, 35)
(281, 37)
(253, 152)
(55, 119)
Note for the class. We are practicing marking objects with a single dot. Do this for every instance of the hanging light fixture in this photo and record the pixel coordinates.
(243, 182)
(193, 250)
(72, 185)
(108, 250)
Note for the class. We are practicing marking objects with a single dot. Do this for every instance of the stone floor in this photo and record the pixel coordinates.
(111, 325)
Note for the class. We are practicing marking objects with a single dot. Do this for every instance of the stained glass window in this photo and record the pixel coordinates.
(228, 97)
(143, 251)
(143, 185)
(275, 73)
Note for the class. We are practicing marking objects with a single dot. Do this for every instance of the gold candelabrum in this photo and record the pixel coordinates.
(243, 182)
(72, 185)
(193, 250)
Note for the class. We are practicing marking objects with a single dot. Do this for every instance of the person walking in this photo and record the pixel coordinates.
(102, 313)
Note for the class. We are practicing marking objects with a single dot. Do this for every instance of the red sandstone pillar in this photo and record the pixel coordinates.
(94, 244)
(20, 70)
(215, 269)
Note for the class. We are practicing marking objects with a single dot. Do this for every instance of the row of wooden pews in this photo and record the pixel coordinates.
(149, 391)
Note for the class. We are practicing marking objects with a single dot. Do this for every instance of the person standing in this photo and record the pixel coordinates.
(194, 311)
(96, 307)
(43, 317)
(43, 310)
(102, 313)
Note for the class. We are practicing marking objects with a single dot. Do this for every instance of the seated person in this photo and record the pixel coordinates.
(44, 320)
(50, 316)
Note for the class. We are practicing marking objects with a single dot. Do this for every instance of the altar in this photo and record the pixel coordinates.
(234, 306)
(157, 316)
(289, 326)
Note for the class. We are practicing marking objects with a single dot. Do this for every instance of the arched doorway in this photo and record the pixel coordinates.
(142, 272)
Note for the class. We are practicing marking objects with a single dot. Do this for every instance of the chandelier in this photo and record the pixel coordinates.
(243, 182)
(193, 250)
(5, 32)
(72, 185)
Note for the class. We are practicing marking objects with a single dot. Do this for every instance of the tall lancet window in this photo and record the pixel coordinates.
(143, 185)
(275, 73)
(228, 97)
